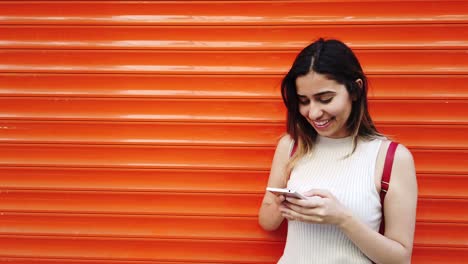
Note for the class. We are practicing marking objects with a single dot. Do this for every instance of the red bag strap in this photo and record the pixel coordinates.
(385, 182)
(293, 150)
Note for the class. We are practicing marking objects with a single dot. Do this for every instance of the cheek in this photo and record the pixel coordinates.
(340, 108)
(345, 114)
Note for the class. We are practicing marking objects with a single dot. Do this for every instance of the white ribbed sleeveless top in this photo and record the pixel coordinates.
(351, 181)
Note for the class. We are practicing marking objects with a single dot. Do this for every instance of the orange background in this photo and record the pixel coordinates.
(143, 131)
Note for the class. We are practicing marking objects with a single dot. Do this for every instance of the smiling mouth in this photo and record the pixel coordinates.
(322, 123)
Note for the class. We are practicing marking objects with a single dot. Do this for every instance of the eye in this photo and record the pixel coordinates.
(325, 100)
(303, 100)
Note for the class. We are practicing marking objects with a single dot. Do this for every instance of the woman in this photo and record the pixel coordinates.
(334, 155)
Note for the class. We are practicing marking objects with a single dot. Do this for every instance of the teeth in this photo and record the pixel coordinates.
(321, 123)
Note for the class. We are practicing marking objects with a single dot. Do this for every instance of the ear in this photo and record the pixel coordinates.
(360, 84)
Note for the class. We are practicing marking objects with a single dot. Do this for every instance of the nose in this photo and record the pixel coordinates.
(315, 111)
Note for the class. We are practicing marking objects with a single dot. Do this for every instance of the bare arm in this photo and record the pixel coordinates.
(400, 217)
(270, 217)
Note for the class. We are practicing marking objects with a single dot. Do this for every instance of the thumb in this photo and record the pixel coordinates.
(281, 198)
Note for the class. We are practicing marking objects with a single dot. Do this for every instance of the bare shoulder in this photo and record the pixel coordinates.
(403, 154)
(404, 171)
(403, 158)
(284, 146)
(285, 141)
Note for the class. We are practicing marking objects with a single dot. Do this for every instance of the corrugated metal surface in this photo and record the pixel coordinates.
(143, 131)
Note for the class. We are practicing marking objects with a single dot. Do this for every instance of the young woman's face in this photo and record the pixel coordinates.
(324, 103)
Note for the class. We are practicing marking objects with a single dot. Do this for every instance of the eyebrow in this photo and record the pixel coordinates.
(318, 94)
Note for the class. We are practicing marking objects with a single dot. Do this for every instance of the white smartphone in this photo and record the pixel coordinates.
(286, 192)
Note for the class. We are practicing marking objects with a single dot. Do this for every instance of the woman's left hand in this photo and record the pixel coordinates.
(321, 208)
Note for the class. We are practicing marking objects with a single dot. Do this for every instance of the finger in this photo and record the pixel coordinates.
(290, 218)
(292, 200)
(284, 206)
(278, 199)
(291, 215)
(312, 202)
(319, 192)
(281, 198)
(306, 211)
(296, 216)
(313, 217)
(295, 208)
(286, 213)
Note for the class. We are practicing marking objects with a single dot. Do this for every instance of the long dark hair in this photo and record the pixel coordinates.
(336, 61)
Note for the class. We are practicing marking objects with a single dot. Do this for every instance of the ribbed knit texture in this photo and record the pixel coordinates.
(351, 180)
